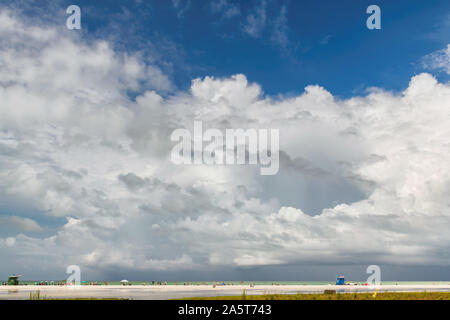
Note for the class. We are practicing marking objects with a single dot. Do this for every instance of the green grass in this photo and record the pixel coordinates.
(338, 296)
(37, 296)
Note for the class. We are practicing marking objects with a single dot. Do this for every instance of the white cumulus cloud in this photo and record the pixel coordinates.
(362, 180)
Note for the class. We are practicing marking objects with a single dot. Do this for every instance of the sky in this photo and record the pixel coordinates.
(86, 118)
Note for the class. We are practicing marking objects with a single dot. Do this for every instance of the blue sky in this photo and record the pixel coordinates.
(297, 43)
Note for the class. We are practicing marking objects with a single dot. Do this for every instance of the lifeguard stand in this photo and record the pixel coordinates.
(340, 280)
(13, 280)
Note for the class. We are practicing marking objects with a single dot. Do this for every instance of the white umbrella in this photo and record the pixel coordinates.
(124, 281)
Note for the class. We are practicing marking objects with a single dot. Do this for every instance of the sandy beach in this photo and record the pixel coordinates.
(140, 292)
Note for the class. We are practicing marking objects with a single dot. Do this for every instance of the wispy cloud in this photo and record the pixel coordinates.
(280, 29)
(275, 28)
(256, 21)
(227, 9)
(325, 40)
(280, 35)
(181, 6)
(439, 60)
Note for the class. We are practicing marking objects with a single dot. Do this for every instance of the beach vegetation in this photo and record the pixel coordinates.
(338, 296)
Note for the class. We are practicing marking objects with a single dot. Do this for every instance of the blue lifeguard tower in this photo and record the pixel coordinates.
(340, 280)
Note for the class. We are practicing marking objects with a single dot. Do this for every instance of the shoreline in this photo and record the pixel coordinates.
(165, 292)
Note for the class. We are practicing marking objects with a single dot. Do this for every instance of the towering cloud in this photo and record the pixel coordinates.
(85, 174)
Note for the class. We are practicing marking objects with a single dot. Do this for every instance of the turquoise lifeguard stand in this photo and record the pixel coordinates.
(13, 280)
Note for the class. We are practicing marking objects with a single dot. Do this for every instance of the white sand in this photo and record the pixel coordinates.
(140, 292)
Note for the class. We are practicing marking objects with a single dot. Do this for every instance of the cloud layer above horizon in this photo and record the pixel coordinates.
(86, 176)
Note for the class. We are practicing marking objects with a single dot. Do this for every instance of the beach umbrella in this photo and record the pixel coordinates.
(124, 281)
